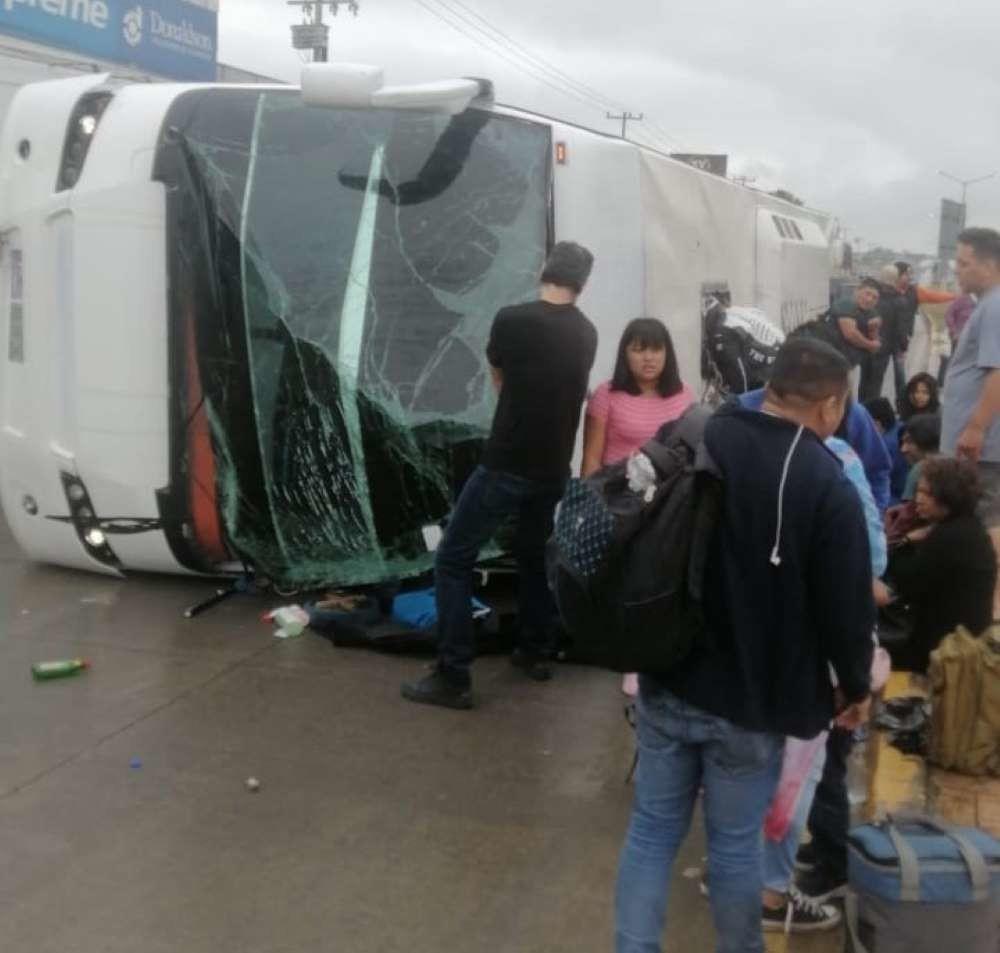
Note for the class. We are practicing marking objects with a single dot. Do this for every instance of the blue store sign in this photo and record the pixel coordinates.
(172, 38)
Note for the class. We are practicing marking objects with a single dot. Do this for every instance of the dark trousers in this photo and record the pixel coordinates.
(488, 499)
(830, 817)
(943, 369)
(873, 367)
(899, 374)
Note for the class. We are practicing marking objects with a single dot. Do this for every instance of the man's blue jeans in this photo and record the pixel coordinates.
(488, 499)
(682, 750)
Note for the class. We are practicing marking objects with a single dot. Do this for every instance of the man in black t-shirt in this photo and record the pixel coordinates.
(859, 324)
(540, 355)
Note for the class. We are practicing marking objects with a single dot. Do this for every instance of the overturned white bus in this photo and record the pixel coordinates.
(245, 326)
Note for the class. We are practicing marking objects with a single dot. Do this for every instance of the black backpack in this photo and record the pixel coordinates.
(626, 567)
(823, 327)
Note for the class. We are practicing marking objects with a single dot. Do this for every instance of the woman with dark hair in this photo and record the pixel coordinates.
(644, 393)
(945, 570)
(921, 397)
(625, 412)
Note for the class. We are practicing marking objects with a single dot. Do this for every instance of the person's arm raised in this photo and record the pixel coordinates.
(929, 296)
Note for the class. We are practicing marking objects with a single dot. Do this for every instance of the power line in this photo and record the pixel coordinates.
(482, 41)
(657, 132)
(658, 139)
(527, 54)
(500, 44)
(675, 143)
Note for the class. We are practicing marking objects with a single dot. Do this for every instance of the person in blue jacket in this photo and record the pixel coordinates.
(892, 433)
(859, 430)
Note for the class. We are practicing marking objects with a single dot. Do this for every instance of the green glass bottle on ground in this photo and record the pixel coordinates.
(62, 668)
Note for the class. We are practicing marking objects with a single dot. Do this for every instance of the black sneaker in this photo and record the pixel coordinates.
(438, 689)
(800, 914)
(534, 666)
(820, 885)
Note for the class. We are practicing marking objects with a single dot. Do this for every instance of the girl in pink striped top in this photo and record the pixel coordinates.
(645, 393)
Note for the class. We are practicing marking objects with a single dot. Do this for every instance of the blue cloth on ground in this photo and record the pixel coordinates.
(419, 609)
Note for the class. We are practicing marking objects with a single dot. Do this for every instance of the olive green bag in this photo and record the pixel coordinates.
(965, 693)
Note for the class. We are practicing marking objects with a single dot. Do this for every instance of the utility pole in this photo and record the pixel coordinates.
(313, 33)
(626, 117)
(965, 183)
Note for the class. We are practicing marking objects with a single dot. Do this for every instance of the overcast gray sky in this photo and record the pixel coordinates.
(852, 104)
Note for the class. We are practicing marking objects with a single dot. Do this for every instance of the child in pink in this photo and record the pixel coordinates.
(625, 412)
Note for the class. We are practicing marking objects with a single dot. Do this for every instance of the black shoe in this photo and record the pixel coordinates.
(800, 914)
(820, 884)
(534, 666)
(438, 689)
(806, 859)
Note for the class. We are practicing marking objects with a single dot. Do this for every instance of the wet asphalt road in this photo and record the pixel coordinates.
(126, 825)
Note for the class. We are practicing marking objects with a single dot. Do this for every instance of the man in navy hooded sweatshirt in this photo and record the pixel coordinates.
(788, 603)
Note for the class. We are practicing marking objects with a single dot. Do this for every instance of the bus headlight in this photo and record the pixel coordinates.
(96, 538)
(88, 528)
(83, 123)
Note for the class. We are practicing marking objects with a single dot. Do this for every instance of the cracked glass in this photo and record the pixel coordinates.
(334, 276)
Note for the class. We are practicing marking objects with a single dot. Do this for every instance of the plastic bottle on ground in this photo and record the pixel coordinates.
(62, 668)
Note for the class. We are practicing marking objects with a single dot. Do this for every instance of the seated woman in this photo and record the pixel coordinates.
(945, 570)
(921, 397)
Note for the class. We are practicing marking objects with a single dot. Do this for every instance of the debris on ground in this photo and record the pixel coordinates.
(61, 668)
(906, 720)
(290, 620)
(341, 602)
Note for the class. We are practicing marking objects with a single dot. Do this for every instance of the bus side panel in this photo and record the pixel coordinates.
(793, 274)
(698, 228)
(805, 276)
(598, 204)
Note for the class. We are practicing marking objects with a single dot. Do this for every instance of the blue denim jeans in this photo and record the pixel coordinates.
(488, 499)
(779, 856)
(682, 750)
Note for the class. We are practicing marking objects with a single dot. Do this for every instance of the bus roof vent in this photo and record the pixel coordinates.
(357, 86)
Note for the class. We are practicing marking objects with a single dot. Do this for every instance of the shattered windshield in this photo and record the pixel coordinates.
(335, 275)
